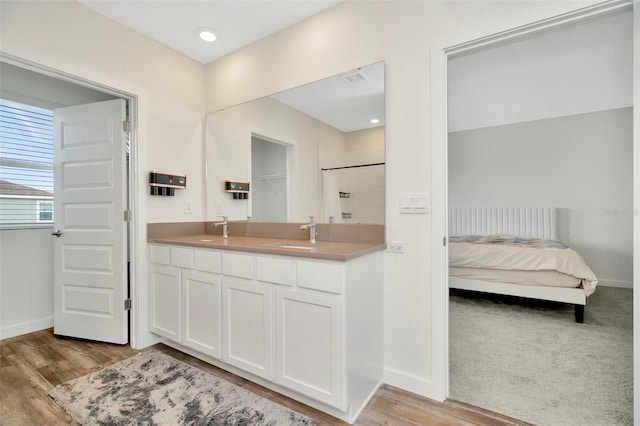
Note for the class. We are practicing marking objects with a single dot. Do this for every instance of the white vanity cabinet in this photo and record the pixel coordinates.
(308, 328)
(186, 297)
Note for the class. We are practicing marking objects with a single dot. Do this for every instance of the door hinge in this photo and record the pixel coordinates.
(127, 304)
(444, 241)
(126, 126)
(126, 216)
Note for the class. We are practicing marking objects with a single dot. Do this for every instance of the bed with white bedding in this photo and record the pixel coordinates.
(516, 252)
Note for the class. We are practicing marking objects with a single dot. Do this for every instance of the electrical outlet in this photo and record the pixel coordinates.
(395, 247)
(188, 207)
(218, 206)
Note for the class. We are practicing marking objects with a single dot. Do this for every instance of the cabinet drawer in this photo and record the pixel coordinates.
(274, 270)
(319, 276)
(159, 254)
(207, 261)
(237, 265)
(182, 257)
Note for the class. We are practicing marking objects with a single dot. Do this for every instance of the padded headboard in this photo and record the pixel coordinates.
(528, 222)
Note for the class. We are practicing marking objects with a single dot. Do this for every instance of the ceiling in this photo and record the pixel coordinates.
(33, 88)
(236, 23)
(573, 70)
(345, 105)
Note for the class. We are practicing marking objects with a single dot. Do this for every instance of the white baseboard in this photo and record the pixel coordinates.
(26, 327)
(615, 283)
(367, 400)
(413, 384)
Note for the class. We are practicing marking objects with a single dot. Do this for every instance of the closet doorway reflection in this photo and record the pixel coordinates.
(270, 179)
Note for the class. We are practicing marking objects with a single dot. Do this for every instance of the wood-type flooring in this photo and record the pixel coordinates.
(32, 364)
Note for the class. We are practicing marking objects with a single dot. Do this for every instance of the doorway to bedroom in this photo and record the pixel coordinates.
(533, 124)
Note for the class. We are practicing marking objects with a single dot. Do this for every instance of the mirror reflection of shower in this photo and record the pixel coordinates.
(270, 180)
(353, 178)
(353, 194)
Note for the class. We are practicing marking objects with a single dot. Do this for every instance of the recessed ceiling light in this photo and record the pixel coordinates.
(374, 121)
(206, 34)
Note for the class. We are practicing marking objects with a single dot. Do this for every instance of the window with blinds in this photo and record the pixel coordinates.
(26, 165)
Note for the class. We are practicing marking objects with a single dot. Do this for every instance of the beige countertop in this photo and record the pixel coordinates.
(332, 250)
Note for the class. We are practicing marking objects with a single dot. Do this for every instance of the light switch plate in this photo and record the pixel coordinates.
(218, 208)
(414, 202)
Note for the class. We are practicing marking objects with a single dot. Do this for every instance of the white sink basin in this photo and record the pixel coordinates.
(196, 239)
(295, 245)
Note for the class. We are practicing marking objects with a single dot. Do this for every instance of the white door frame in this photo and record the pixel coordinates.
(556, 16)
(132, 102)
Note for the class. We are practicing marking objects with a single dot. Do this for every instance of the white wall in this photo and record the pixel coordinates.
(26, 287)
(344, 37)
(581, 164)
(580, 69)
(69, 37)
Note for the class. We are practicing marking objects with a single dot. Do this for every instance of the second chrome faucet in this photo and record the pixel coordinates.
(225, 227)
(311, 226)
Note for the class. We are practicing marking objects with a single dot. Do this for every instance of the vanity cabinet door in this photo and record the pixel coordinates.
(202, 312)
(166, 302)
(247, 326)
(309, 353)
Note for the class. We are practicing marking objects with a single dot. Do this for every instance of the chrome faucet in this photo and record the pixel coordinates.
(224, 224)
(311, 226)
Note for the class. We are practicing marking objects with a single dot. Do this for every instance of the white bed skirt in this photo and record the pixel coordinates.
(575, 296)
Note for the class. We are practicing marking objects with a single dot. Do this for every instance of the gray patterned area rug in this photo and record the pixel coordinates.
(153, 388)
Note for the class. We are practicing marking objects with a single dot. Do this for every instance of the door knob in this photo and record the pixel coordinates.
(57, 233)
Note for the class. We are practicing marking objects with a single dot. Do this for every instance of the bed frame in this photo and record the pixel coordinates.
(538, 222)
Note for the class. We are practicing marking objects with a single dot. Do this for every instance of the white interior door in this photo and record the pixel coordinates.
(90, 256)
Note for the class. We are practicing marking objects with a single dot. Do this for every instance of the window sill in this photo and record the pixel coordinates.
(17, 226)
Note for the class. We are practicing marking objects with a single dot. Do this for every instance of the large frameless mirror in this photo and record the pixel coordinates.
(317, 149)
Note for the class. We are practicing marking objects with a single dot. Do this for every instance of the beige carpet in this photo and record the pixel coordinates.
(153, 388)
(531, 361)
